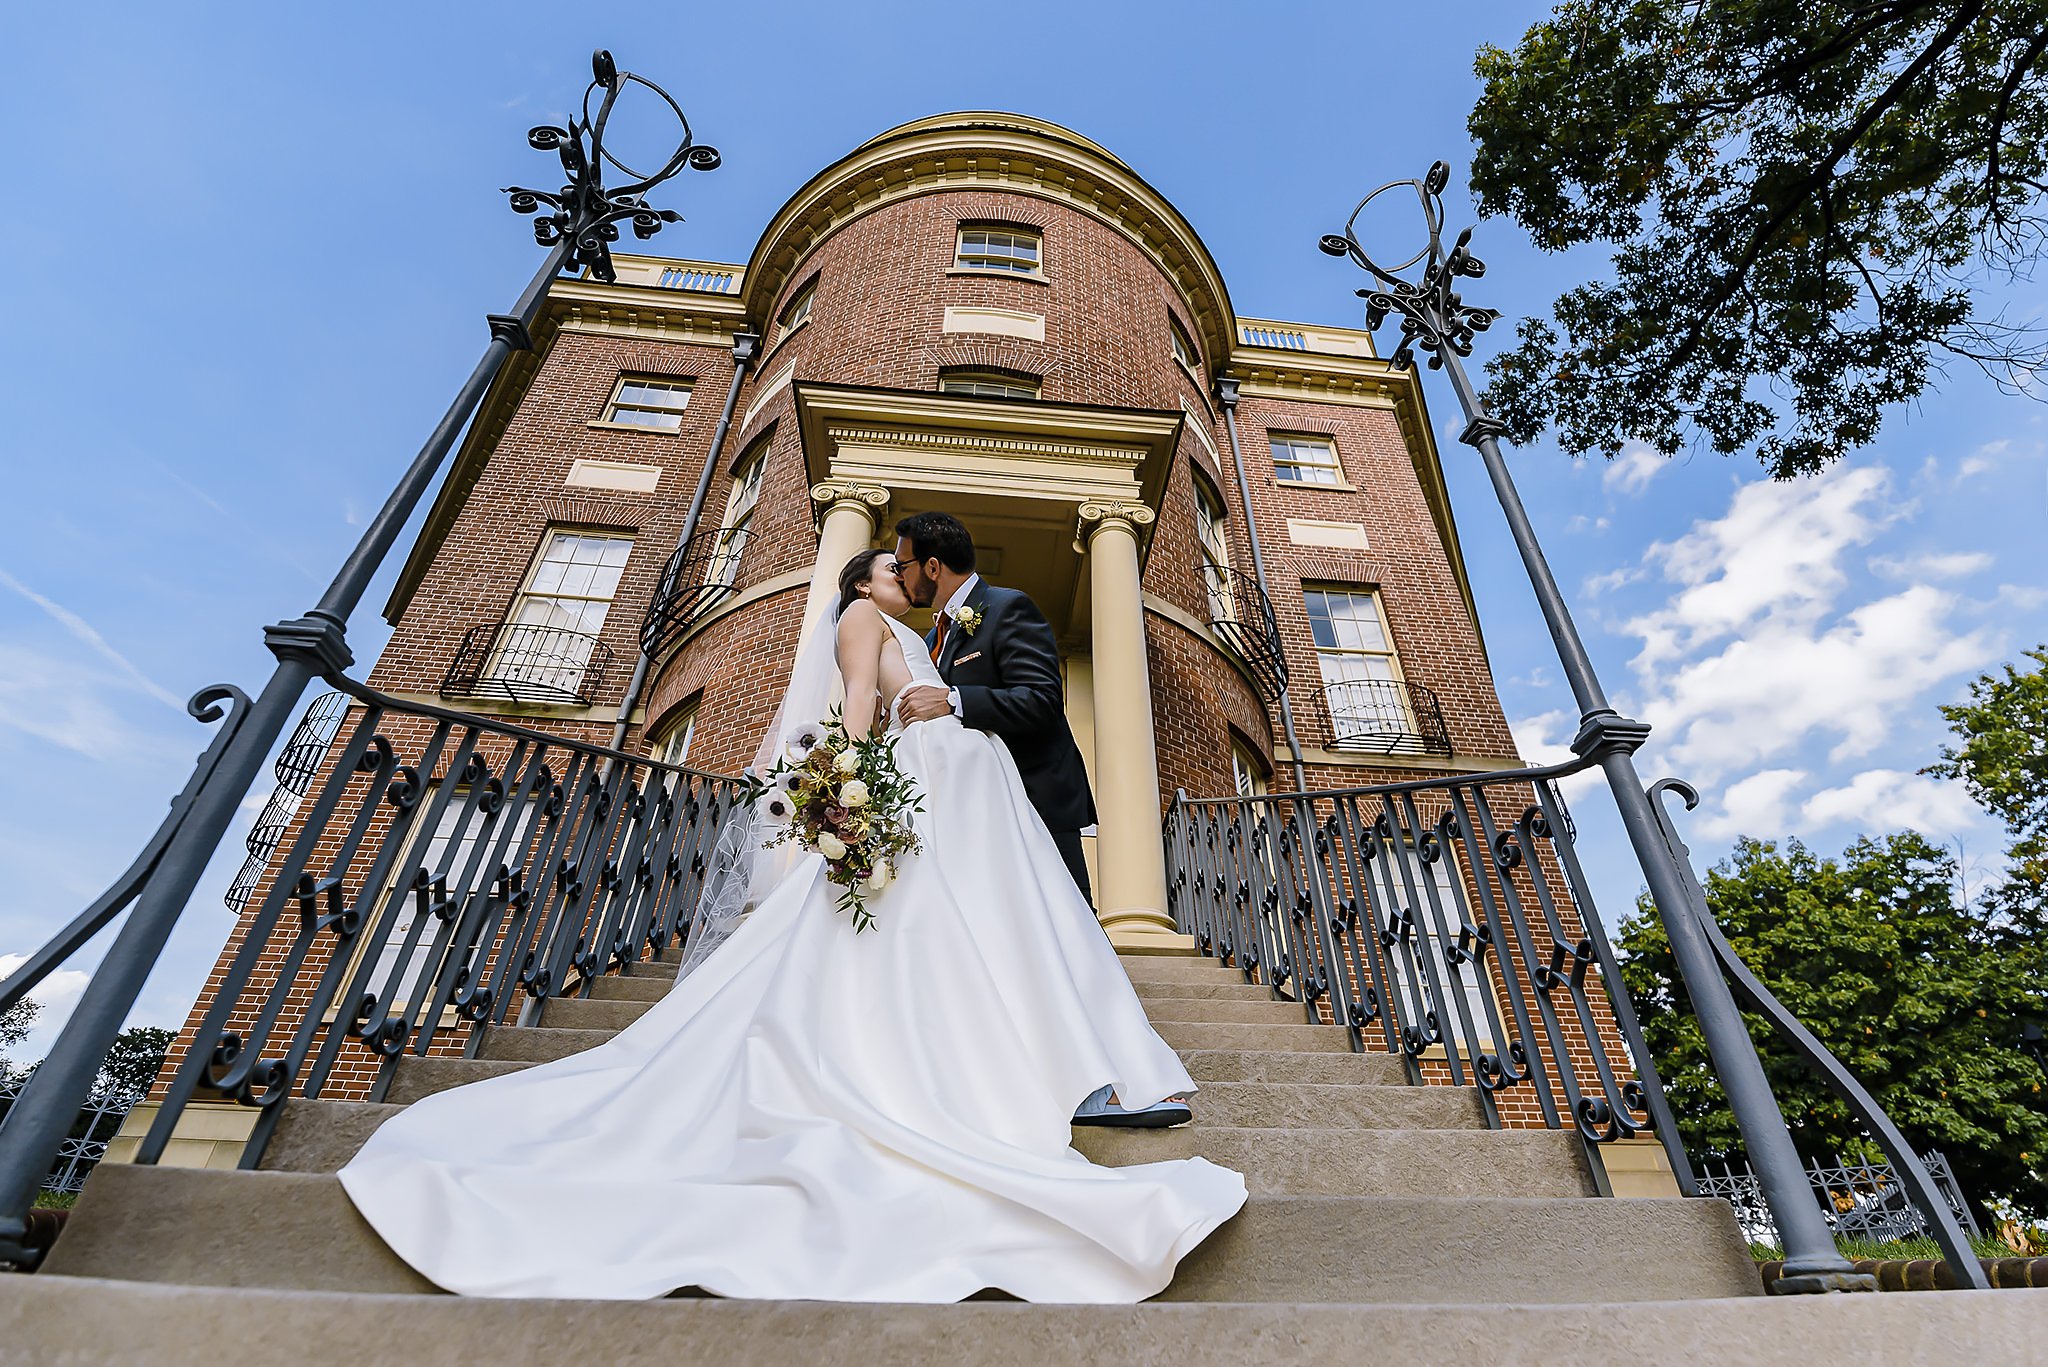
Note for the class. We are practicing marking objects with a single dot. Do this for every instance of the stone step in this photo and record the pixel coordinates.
(87, 1322)
(1231, 990)
(417, 1077)
(321, 1136)
(1268, 1012)
(1264, 1065)
(1350, 1162)
(531, 1044)
(576, 1013)
(660, 968)
(1310, 1039)
(296, 1231)
(1162, 970)
(1321, 1106)
(640, 987)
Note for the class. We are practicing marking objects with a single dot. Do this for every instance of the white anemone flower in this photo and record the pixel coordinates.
(776, 807)
(802, 739)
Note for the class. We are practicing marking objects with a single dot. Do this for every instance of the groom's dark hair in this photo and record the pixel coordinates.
(941, 535)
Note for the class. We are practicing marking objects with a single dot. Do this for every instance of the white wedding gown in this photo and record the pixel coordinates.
(814, 1114)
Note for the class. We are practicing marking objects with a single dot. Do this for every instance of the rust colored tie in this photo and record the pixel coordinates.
(939, 637)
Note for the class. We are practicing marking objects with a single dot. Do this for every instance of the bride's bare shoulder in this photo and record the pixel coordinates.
(863, 620)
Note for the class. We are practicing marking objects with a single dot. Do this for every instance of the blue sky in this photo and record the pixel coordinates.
(254, 247)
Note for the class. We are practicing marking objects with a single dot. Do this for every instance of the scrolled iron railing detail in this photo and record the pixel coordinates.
(528, 662)
(1241, 613)
(1444, 921)
(702, 573)
(445, 867)
(1385, 717)
(296, 764)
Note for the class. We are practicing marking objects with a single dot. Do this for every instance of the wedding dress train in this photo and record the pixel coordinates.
(817, 1114)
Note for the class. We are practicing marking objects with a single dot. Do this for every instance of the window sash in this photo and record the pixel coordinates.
(738, 521)
(1183, 349)
(1353, 646)
(1447, 876)
(987, 386)
(639, 402)
(672, 746)
(1212, 541)
(798, 312)
(1245, 774)
(1306, 460)
(997, 249)
(569, 589)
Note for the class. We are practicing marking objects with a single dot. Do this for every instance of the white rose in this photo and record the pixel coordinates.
(879, 876)
(847, 763)
(831, 846)
(853, 793)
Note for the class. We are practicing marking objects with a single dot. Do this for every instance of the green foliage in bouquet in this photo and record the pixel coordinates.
(846, 800)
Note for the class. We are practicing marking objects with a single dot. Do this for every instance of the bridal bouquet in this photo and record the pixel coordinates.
(847, 800)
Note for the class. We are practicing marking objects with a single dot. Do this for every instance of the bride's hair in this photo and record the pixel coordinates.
(858, 571)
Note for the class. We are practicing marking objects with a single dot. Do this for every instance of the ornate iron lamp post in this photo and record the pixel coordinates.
(580, 223)
(1435, 319)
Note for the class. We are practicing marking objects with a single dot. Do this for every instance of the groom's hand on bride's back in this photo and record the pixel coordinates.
(925, 704)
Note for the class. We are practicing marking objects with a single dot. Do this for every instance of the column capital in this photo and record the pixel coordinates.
(1098, 516)
(867, 499)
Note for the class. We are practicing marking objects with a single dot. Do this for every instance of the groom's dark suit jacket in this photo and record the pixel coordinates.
(1008, 674)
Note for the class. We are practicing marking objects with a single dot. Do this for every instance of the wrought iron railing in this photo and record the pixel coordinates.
(446, 867)
(1385, 717)
(524, 662)
(1860, 1200)
(702, 573)
(1242, 615)
(1453, 915)
(1437, 919)
(296, 764)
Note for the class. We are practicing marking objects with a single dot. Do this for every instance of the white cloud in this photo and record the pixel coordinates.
(58, 996)
(1545, 739)
(1880, 800)
(83, 631)
(1631, 472)
(1598, 584)
(74, 706)
(1918, 569)
(1754, 806)
(1775, 555)
(1580, 522)
(1982, 459)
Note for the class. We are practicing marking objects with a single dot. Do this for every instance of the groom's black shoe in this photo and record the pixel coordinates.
(1102, 1108)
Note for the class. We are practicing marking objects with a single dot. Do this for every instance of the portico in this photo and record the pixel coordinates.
(1061, 499)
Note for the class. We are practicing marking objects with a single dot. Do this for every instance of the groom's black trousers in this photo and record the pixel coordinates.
(1070, 850)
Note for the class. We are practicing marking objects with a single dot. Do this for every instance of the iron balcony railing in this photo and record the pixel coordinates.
(1860, 1200)
(702, 573)
(295, 766)
(1385, 717)
(1242, 615)
(99, 1120)
(525, 662)
(444, 867)
(1448, 921)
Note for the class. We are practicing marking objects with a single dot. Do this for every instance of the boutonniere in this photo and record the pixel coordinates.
(965, 617)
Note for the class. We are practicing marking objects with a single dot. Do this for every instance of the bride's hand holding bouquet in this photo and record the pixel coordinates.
(846, 799)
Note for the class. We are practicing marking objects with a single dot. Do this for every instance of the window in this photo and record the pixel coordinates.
(1247, 773)
(1212, 544)
(639, 402)
(987, 385)
(1306, 460)
(558, 615)
(798, 313)
(1184, 350)
(997, 249)
(671, 744)
(738, 522)
(1361, 676)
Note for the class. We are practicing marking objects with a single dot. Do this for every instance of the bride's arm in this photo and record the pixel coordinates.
(861, 630)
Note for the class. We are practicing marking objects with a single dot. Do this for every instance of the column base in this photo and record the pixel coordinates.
(1139, 932)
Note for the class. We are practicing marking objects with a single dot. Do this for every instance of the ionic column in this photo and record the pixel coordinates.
(1131, 857)
(852, 513)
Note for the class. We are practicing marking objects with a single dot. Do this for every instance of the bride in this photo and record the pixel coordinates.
(816, 1114)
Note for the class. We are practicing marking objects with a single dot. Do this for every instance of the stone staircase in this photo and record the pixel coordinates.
(1385, 1223)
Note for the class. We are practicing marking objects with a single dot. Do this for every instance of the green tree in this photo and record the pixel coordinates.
(1804, 198)
(14, 1026)
(132, 1064)
(2001, 755)
(1917, 996)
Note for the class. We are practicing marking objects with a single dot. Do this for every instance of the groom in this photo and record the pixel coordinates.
(1001, 664)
